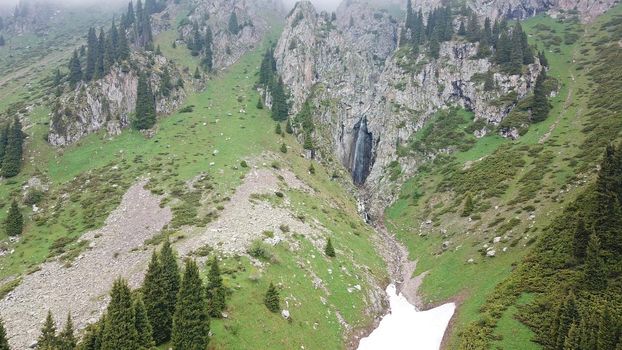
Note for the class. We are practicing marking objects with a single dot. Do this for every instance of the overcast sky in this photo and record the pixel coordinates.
(329, 5)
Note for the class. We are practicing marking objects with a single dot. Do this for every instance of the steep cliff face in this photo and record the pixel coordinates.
(107, 103)
(252, 17)
(369, 96)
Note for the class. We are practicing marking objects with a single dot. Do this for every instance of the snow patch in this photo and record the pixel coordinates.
(407, 328)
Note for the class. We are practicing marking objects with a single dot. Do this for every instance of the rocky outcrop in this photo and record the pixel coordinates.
(369, 96)
(106, 104)
(253, 17)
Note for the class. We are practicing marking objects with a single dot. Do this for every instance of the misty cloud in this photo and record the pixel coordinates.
(328, 5)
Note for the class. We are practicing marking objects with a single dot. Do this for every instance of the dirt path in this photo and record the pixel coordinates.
(82, 289)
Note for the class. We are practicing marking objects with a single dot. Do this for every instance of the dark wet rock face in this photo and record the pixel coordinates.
(362, 155)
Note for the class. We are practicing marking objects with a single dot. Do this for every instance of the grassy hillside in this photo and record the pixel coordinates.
(517, 188)
(219, 131)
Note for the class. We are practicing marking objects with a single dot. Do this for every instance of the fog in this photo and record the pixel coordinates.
(112, 3)
(328, 5)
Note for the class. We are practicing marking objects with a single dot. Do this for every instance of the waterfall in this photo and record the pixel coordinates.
(362, 159)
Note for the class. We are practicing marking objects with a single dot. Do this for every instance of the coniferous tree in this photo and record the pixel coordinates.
(288, 127)
(124, 47)
(143, 327)
(92, 336)
(156, 301)
(208, 60)
(170, 274)
(567, 316)
(581, 239)
(91, 55)
(277, 129)
(100, 68)
(215, 291)
(473, 29)
(2, 41)
(595, 270)
(542, 59)
(462, 29)
(166, 85)
(4, 135)
(540, 107)
(197, 73)
(75, 69)
(12, 157)
(120, 329)
(468, 206)
(328, 249)
(145, 117)
(4, 343)
(571, 342)
(234, 27)
(607, 330)
(272, 299)
(47, 340)
(489, 82)
(280, 109)
(14, 222)
(259, 103)
(66, 338)
(191, 320)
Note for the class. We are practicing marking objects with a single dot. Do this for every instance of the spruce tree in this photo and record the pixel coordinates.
(120, 329)
(145, 116)
(14, 222)
(4, 134)
(572, 339)
(581, 239)
(606, 335)
(489, 82)
(75, 69)
(215, 291)
(567, 316)
(12, 159)
(277, 129)
(208, 60)
(66, 338)
(156, 301)
(542, 59)
(91, 340)
(272, 300)
(283, 148)
(234, 27)
(197, 73)
(101, 52)
(170, 275)
(540, 107)
(468, 206)
(91, 55)
(124, 47)
(288, 127)
(259, 104)
(47, 340)
(191, 320)
(280, 109)
(595, 270)
(328, 249)
(4, 343)
(143, 327)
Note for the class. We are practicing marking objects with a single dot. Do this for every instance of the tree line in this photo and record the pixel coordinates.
(171, 306)
(272, 82)
(506, 44)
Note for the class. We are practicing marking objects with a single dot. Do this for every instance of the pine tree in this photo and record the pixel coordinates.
(572, 339)
(473, 29)
(145, 117)
(283, 148)
(208, 60)
(124, 47)
(542, 59)
(259, 104)
(75, 69)
(607, 328)
(595, 270)
(14, 222)
(280, 109)
(468, 206)
(156, 301)
(197, 73)
(462, 29)
(540, 107)
(215, 291)
(234, 27)
(4, 135)
(101, 52)
(191, 320)
(170, 274)
(120, 330)
(277, 129)
(272, 299)
(4, 343)
(92, 336)
(92, 55)
(12, 158)
(143, 327)
(66, 338)
(328, 249)
(47, 340)
(567, 316)
(581, 239)
(489, 82)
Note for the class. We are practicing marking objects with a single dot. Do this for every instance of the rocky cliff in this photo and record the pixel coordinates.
(369, 96)
(253, 19)
(108, 102)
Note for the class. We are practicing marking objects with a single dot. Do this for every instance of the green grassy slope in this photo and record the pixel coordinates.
(517, 186)
(87, 181)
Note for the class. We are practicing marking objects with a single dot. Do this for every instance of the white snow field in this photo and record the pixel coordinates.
(405, 328)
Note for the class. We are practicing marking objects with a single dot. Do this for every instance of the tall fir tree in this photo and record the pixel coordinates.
(47, 340)
(12, 159)
(142, 324)
(145, 116)
(66, 338)
(234, 27)
(595, 269)
(329, 250)
(567, 316)
(92, 338)
(191, 321)
(75, 69)
(540, 107)
(571, 342)
(120, 329)
(215, 291)
(208, 60)
(280, 109)
(14, 222)
(272, 299)
(156, 301)
(4, 134)
(91, 55)
(608, 330)
(581, 239)
(170, 275)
